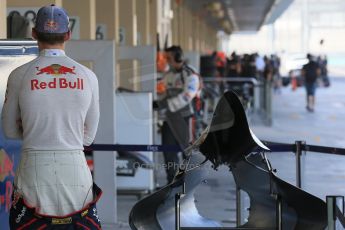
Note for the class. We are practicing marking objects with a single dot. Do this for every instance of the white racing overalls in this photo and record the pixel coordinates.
(52, 103)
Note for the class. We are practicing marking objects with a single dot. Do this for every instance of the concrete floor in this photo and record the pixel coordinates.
(324, 174)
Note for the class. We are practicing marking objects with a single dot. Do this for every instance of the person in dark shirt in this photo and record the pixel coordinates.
(268, 70)
(248, 66)
(310, 72)
(234, 66)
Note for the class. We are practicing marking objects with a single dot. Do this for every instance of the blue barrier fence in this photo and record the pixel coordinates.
(273, 146)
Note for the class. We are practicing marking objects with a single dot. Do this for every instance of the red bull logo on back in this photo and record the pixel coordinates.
(55, 69)
(61, 82)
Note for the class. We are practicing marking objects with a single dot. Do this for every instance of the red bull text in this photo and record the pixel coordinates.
(61, 83)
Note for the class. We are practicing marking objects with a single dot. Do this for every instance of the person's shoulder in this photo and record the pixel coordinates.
(190, 67)
(21, 70)
(83, 68)
(191, 70)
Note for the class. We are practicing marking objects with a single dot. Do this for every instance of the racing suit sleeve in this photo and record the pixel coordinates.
(92, 116)
(190, 90)
(10, 116)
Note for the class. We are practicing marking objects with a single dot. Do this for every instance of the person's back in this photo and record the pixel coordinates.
(55, 95)
(311, 71)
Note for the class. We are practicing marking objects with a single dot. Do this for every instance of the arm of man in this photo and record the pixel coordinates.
(190, 90)
(10, 116)
(92, 116)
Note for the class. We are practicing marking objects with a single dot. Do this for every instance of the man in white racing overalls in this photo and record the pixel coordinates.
(180, 85)
(52, 104)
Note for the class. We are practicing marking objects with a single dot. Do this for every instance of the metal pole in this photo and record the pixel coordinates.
(268, 102)
(331, 212)
(298, 153)
(262, 97)
(178, 197)
(279, 212)
(257, 97)
(177, 211)
(334, 202)
(238, 207)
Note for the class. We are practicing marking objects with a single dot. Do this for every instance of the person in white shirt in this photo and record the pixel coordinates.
(52, 104)
(260, 65)
(181, 85)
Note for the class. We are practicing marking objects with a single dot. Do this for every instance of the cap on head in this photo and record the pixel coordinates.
(52, 19)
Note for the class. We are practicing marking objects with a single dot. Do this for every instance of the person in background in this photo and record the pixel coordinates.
(277, 81)
(248, 66)
(310, 72)
(234, 66)
(260, 65)
(52, 104)
(220, 63)
(268, 70)
(181, 86)
(322, 61)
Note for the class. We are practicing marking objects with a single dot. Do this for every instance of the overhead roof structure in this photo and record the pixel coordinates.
(238, 15)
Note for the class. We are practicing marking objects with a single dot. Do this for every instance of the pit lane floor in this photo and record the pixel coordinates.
(324, 174)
